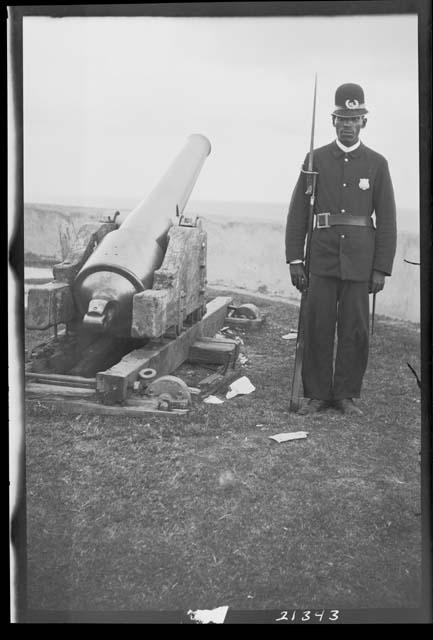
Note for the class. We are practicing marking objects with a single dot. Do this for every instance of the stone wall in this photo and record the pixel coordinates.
(242, 253)
(250, 255)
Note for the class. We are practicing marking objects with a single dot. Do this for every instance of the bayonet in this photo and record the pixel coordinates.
(310, 189)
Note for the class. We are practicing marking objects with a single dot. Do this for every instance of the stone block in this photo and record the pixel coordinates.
(149, 313)
(48, 305)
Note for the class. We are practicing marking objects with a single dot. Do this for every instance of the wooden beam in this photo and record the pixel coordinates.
(212, 350)
(40, 390)
(71, 406)
(63, 379)
(244, 323)
(164, 358)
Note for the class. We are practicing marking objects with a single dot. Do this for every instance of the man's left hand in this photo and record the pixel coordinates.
(377, 282)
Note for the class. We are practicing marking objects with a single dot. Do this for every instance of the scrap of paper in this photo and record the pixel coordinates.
(205, 616)
(290, 336)
(294, 435)
(213, 400)
(241, 386)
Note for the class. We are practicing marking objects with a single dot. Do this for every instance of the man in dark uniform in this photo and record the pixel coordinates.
(350, 256)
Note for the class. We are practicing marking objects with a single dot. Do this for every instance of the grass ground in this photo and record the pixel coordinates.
(133, 513)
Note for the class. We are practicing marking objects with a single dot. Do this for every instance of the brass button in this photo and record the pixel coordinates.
(343, 211)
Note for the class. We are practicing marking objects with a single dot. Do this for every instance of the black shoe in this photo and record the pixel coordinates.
(313, 406)
(348, 407)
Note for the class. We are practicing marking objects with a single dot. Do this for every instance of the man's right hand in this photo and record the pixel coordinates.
(298, 275)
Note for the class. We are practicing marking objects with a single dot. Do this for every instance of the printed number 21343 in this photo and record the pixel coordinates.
(307, 615)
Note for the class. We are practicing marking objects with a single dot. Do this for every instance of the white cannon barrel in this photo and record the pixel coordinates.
(125, 261)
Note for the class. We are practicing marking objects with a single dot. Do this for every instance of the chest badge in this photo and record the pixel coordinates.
(364, 184)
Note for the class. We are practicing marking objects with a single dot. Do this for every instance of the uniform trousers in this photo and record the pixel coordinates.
(342, 307)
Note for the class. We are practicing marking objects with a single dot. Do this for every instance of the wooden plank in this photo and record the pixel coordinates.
(164, 358)
(216, 351)
(93, 408)
(64, 379)
(218, 343)
(244, 323)
(49, 390)
(59, 383)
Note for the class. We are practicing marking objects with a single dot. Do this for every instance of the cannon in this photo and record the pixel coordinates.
(126, 260)
(137, 278)
(130, 296)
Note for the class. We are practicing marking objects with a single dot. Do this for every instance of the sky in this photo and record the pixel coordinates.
(109, 102)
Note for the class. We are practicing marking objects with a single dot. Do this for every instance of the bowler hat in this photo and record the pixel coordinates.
(349, 101)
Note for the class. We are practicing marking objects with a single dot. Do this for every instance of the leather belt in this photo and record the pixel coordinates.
(327, 220)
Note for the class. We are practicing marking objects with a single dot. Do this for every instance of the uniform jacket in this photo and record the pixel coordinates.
(354, 183)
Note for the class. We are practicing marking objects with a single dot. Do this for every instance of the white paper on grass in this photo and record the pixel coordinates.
(241, 386)
(294, 435)
(213, 400)
(290, 336)
(207, 616)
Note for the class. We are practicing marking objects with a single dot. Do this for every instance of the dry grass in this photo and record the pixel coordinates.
(134, 514)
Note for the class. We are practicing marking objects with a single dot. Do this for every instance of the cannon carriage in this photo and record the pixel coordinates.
(130, 297)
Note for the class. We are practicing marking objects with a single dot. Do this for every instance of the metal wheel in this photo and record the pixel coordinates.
(170, 387)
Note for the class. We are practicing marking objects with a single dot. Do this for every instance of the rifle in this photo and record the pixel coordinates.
(311, 191)
(373, 313)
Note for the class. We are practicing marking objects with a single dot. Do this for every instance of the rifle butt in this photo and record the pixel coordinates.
(295, 398)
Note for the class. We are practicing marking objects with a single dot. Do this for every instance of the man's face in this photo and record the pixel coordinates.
(348, 129)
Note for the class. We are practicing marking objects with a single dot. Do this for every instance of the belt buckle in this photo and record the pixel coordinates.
(322, 220)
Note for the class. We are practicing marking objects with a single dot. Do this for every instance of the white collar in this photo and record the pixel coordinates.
(347, 149)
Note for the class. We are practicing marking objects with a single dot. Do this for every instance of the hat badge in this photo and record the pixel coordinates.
(352, 104)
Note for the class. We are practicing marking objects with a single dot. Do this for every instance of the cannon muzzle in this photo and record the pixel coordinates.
(125, 261)
(100, 314)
